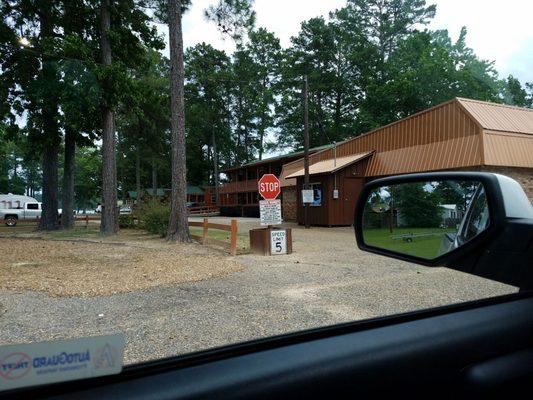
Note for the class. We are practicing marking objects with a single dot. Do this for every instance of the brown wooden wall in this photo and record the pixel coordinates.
(334, 212)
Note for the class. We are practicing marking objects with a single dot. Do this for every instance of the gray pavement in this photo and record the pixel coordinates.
(327, 280)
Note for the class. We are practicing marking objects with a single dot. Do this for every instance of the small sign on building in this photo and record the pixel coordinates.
(270, 212)
(308, 196)
(278, 242)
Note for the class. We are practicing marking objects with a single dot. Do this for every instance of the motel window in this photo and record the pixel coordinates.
(317, 194)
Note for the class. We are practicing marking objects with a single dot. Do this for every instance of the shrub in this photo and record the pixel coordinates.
(153, 217)
(126, 221)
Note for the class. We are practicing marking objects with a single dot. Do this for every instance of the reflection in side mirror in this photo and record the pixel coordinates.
(425, 219)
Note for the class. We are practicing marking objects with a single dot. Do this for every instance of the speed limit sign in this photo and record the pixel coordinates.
(278, 242)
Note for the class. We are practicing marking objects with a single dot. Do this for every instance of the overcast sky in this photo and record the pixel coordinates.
(498, 30)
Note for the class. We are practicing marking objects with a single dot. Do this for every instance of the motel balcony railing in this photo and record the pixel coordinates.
(249, 185)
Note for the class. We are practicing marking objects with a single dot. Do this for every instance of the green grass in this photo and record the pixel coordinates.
(427, 247)
(243, 241)
(76, 232)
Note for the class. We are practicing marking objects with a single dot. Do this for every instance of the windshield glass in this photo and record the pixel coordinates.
(153, 174)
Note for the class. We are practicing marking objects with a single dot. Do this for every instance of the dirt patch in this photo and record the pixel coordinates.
(80, 268)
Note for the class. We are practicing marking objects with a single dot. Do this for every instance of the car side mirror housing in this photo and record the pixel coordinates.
(478, 223)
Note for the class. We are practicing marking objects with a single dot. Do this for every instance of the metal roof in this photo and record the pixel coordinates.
(507, 149)
(277, 158)
(457, 134)
(499, 117)
(330, 165)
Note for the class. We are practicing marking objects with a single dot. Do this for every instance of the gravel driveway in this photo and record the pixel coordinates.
(325, 281)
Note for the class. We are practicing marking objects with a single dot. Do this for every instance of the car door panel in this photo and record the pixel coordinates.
(442, 351)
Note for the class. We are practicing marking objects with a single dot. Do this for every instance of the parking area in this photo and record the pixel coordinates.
(326, 280)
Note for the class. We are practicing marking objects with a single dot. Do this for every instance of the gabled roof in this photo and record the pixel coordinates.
(331, 165)
(499, 117)
(459, 133)
(280, 157)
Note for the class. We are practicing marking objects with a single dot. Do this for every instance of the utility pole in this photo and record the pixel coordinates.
(215, 167)
(306, 149)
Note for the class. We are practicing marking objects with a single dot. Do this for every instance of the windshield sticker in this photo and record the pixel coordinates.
(32, 364)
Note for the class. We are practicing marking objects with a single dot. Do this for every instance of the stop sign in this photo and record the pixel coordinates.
(269, 186)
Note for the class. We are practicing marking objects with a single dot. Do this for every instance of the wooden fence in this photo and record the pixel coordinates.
(34, 222)
(204, 239)
(206, 225)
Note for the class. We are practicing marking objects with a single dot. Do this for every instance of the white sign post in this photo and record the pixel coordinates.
(278, 242)
(270, 212)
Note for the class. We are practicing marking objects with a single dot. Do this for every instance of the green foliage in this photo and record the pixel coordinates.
(126, 221)
(207, 102)
(143, 123)
(516, 95)
(418, 206)
(232, 17)
(370, 63)
(153, 217)
(87, 178)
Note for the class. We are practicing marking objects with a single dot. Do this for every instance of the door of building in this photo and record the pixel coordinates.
(352, 188)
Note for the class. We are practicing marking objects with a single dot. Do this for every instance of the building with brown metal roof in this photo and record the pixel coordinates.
(461, 134)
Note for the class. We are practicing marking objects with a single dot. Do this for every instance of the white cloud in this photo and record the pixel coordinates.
(498, 31)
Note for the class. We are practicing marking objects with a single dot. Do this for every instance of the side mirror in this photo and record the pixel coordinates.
(478, 223)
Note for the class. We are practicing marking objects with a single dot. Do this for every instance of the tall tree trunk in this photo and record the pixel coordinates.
(49, 216)
(15, 167)
(67, 195)
(178, 225)
(109, 224)
(215, 168)
(261, 140)
(154, 177)
(138, 176)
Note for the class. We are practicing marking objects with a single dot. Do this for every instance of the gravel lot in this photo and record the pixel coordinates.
(325, 281)
(74, 268)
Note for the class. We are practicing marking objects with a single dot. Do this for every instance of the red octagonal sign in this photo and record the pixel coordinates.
(269, 186)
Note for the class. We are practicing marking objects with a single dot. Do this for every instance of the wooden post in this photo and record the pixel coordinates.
(204, 232)
(233, 237)
(86, 221)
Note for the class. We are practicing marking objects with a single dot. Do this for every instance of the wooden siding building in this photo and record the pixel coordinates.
(240, 196)
(460, 134)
